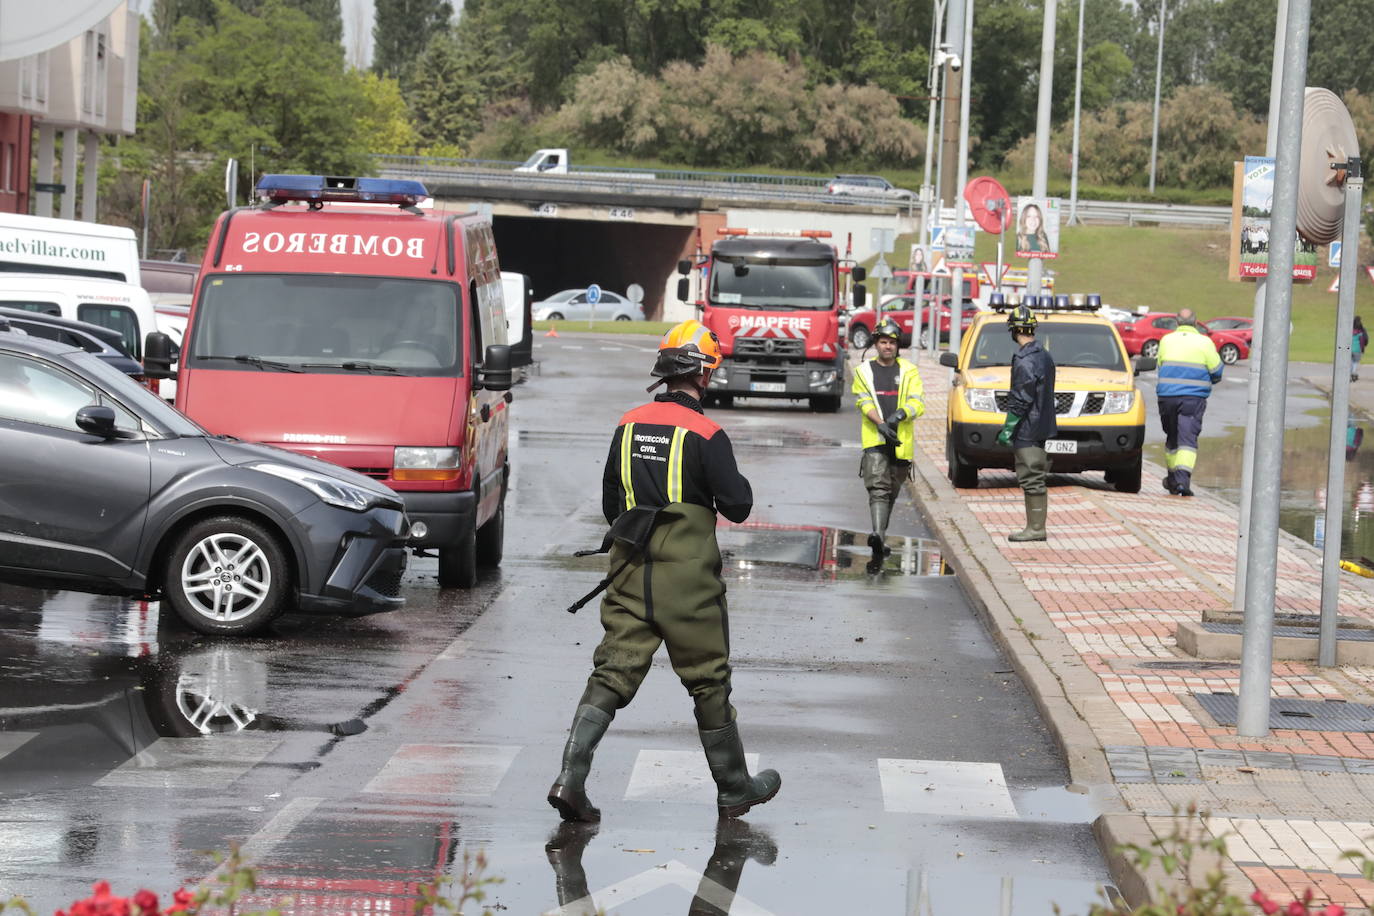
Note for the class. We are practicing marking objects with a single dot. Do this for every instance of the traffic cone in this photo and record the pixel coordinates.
(553, 331)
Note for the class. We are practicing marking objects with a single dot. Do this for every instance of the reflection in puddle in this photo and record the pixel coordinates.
(1302, 497)
(835, 552)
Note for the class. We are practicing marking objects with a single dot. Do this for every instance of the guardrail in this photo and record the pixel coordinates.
(1131, 214)
(678, 176)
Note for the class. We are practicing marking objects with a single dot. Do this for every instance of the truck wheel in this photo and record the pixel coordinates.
(859, 336)
(458, 563)
(227, 576)
(825, 403)
(961, 474)
(491, 538)
(1127, 479)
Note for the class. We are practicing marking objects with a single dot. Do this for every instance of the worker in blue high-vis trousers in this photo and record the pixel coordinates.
(1188, 368)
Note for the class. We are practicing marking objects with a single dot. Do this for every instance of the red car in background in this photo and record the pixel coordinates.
(1242, 325)
(1141, 336)
(902, 309)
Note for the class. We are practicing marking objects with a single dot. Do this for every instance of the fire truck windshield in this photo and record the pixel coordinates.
(768, 283)
(318, 323)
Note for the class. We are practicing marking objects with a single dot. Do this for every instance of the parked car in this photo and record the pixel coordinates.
(571, 304)
(867, 186)
(102, 342)
(1242, 325)
(1098, 408)
(902, 309)
(1142, 335)
(125, 307)
(110, 490)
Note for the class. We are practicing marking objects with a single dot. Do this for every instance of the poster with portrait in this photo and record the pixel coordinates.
(1256, 203)
(1037, 227)
(919, 261)
(959, 245)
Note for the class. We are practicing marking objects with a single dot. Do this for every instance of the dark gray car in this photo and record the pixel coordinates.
(106, 488)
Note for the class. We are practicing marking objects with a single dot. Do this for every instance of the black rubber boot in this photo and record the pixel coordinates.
(879, 511)
(564, 851)
(1037, 507)
(569, 791)
(736, 843)
(736, 790)
(1185, 481)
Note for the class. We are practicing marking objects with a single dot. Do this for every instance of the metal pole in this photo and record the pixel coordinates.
(1077, 118)
(1247, 470)
(1340, 410)
(951, 103)
(927, 192)
(1257, 645)
(956, 298)
(1040, 180)
(1159, 75)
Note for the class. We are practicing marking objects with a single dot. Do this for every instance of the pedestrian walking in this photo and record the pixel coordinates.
(889, 395)
(669, 471)
(1188, 368)
(1359, 342)
(1030, 420)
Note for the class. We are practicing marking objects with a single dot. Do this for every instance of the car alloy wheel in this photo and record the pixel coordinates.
(1229, 353)
(1149, 349)
(227, 575)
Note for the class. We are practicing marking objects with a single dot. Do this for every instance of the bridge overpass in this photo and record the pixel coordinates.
(621, 226)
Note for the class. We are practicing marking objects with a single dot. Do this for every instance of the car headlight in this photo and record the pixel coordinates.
(330, 490)
(1118, 401)
(423, 463)
(983, 399)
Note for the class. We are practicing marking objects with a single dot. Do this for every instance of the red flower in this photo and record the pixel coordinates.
(146, 901)
(182, 899)
(1334, 909)
(1297, 908)
(1264, 903)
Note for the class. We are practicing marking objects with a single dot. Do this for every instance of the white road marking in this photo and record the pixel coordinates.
(191, 763)
(943, 787)
(610, 349)
(670, 874)
(12, 741)
(573, 347)
(444, 769)
(257, 846)
(456, 649)
(676, 776)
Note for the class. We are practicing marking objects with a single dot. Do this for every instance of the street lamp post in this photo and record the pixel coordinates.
(1077, 117)
(1040, 179)
(1159, 73)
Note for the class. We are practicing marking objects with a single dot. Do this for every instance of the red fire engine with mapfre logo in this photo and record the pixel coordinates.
(773, 299)
(340, 318)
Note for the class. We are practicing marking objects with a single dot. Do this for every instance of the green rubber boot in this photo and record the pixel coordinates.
(1037, 507)
(736, 790)
(569, 791)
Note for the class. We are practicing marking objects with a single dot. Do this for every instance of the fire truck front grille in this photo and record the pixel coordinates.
(770, 346)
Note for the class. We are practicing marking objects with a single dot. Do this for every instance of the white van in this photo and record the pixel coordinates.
(41, 245)
(123, 307)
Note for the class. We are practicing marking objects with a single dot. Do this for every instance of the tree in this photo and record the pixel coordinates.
(403, 29)
(444, 97)
(325, 13)
(384, 123)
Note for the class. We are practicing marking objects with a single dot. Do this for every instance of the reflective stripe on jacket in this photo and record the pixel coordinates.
(910, 397)
(1188, 364)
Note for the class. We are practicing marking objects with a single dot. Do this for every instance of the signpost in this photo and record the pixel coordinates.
(593, 297)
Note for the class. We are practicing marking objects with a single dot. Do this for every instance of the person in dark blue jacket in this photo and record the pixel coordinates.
(1030, 420)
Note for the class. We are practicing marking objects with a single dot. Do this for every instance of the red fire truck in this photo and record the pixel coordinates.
(340, 319)
(773, 298)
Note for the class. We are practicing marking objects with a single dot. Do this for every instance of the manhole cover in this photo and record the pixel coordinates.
(1345, 633)
(1284, 712)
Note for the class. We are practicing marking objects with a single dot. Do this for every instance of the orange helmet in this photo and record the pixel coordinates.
(688, 349)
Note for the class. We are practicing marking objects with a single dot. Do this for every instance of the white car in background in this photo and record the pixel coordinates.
(572, 305)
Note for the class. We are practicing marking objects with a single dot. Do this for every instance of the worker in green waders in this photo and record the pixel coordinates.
(670, 470)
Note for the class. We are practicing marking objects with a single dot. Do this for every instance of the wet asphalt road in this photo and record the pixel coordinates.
(357, 758)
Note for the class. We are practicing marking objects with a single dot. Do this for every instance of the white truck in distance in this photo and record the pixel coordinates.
(555, 162)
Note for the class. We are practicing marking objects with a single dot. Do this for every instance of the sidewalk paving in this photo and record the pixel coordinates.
(1089, 617)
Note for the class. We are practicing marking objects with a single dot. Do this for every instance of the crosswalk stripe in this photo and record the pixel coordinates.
(444, 769)
(945, 787)
(456, 649)
(191, 763)
(675, 776)
(12, 741)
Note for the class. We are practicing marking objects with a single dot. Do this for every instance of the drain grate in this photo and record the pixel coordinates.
(1345, 633)
(1284, 712)
(1188, 666)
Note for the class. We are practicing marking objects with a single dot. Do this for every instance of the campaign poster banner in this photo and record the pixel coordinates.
(1256, 203)
(919, 262)
(1037, 227)
(959, 245)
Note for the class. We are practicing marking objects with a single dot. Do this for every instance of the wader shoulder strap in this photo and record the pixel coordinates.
(632, 528)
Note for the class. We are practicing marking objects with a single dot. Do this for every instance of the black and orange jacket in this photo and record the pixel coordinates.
(667, 451)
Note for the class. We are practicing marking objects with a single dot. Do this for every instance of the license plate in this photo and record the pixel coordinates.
(1061, 446)
(769, 387)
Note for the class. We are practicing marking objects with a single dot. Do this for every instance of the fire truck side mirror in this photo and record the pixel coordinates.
(858, 273)
(495, 373)
(684, 267)
(860, 295)
(158, 355)
(683, 289)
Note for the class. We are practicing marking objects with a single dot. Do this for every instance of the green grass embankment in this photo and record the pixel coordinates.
(656, 328)
(1166, 269)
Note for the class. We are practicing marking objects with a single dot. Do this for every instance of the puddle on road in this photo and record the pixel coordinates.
(833, 552)
(1302, 497)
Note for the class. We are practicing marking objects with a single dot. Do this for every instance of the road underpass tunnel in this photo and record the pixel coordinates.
(567, 253)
